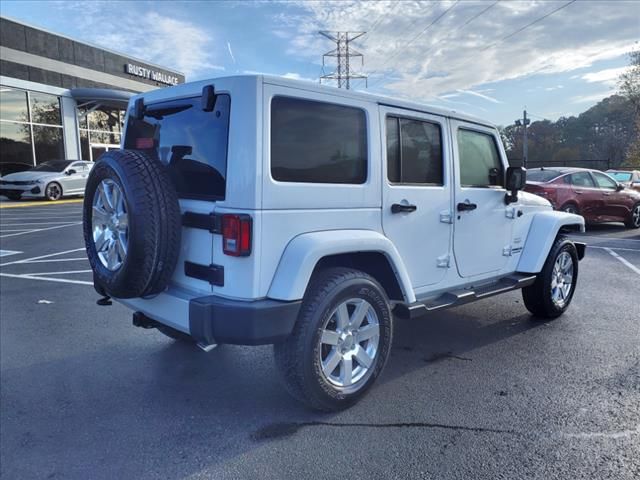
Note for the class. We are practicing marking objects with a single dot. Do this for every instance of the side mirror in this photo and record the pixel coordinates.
(516, 179)
(71, 171)
(619, 187)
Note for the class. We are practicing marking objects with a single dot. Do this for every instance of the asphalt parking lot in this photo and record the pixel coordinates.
(479, 391)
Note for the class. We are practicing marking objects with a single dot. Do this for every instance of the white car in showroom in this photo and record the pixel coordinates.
(51, 180)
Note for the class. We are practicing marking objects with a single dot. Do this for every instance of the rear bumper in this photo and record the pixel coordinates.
(214, 319)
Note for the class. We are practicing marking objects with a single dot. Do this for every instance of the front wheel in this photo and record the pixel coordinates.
(634, 218)
(341, 341)
(553, 289)
(53, 192)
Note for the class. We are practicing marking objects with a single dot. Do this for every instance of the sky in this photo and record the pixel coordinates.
(491, 59)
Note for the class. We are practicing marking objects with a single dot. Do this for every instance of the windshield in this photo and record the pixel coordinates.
(621, 176)
(542, 175)
(58, 166)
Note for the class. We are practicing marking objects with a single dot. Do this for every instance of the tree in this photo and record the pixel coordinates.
(629, 84)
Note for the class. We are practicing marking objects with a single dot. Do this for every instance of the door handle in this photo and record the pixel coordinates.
(466, 206)
(607, 194)
(399, 208)
(579, 192)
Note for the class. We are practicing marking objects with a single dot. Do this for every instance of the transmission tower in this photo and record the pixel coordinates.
(343, 53)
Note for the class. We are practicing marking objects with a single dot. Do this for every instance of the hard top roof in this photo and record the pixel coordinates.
(184, 89)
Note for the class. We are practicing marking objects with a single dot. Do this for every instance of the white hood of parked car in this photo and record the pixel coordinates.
(30, 175)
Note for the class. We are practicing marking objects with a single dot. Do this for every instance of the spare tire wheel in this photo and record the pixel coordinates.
(132, 224)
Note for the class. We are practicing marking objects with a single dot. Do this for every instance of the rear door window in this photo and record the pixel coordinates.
(581, 179)
(192, 143)
(414, 152)
(317, 142)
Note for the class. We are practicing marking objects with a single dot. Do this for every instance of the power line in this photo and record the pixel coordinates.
(417, 36)
(521, 29)
(485, 10)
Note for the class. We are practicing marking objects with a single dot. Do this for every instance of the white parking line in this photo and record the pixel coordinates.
(46, 279)
(624, 262)
(20, 224)
(39, 230)
(6, 253)
(615, 248)
(603, 237)
(49, 255)
(59, 260)
(59, 273)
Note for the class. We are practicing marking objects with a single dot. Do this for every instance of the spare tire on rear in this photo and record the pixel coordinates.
(131, 224)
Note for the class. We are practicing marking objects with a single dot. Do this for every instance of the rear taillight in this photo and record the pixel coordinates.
(236, 235)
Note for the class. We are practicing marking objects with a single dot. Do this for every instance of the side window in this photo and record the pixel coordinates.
(604, 181)
(317, 142)
(480, 164)
(581, 179)
(414, 152)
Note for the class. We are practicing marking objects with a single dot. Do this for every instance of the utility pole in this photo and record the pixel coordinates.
(525, 147)
(343, 54)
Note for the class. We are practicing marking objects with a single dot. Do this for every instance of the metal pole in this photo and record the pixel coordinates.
(525, 146)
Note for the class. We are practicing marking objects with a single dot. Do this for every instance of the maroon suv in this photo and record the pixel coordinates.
(590, 193)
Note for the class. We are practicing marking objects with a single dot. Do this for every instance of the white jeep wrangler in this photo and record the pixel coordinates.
(254, 210)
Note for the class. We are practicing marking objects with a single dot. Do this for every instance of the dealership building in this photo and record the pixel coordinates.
(61, 98)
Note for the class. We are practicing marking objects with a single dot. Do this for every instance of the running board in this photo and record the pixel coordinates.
(462, 296)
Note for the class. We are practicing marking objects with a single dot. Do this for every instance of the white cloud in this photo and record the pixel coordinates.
(297, 76)
(157, 38)
(231, 52)
(594, 97)
(480, 95)
(449, 56)
(608, 77)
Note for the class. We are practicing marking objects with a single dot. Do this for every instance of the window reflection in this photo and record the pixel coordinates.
(45, 109)
(15, 147)
(48, 143)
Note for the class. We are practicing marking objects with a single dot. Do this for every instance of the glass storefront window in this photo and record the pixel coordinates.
(104, 119)
(45, 108)
(15, 147)
(48, 143)
(13, 105)
(99, 129)
(84, 145)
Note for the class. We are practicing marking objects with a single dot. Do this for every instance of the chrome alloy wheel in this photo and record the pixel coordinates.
(562, 279)
(53, 191)
(349, 344)
(635, 216)
(110, 224)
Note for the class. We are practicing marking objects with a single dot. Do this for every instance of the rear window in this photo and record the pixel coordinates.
(621, 176)
(191, 142)
(317, 142)
(542, 175)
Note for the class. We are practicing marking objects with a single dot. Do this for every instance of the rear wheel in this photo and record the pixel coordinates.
(341, 341)
(553, 289)
(570, 208)
(634, 218)
(53, 192)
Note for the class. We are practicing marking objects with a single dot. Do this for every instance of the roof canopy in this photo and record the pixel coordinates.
(96, 97)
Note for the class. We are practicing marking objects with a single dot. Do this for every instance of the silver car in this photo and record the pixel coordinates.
(50, 180)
